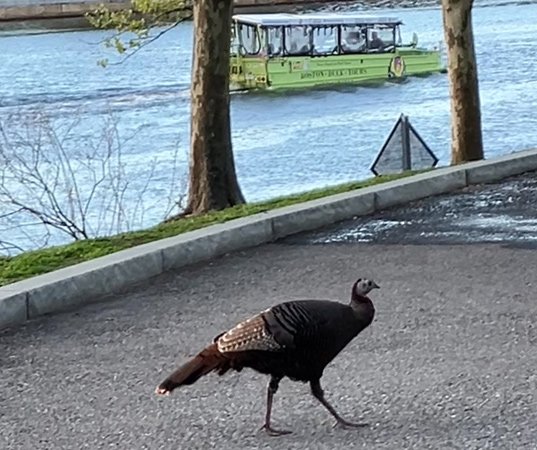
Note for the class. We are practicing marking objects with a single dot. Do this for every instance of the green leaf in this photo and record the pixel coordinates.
(140, 19)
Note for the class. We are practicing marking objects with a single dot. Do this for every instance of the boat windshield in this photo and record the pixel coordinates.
(247, 39)
(235, 44)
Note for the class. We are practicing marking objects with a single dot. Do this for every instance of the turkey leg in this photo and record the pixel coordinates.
(318, 393)
(272, 388)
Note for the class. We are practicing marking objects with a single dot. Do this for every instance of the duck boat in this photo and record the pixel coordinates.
(282, 51)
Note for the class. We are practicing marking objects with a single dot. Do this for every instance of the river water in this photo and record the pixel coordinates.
(282, 143)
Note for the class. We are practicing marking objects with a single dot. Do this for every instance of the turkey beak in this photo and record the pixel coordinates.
(375, 285)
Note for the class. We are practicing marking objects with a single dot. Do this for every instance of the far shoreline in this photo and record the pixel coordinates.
(29, 20)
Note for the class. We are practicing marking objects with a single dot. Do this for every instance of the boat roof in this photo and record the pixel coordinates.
(279, 19)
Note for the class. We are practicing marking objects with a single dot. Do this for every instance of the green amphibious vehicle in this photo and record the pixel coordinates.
(282, 51)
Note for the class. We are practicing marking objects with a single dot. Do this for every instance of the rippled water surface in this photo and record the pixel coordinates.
(282, 143)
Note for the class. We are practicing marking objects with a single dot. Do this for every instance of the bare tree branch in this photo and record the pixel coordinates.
(52, 184)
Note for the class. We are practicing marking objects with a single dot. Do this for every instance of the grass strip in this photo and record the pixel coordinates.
(37, 262)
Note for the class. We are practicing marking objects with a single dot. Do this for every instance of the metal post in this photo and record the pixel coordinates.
(405, 141)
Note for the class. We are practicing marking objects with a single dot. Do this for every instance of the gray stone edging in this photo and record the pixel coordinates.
(93, 280)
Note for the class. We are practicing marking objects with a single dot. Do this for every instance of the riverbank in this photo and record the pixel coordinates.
(70, 14)
(42, 261)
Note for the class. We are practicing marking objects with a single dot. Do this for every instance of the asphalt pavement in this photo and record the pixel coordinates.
(449, 362)
(503, 213)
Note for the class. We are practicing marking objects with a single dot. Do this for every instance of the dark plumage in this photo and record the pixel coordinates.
(295, 339)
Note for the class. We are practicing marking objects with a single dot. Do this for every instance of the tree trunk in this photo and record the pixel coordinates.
(466, 134)
(213, 182)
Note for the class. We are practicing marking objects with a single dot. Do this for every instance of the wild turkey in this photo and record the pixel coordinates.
(295, 339)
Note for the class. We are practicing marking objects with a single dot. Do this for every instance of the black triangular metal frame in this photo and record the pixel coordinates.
(388, 139)
(425, 146)
(383, 149)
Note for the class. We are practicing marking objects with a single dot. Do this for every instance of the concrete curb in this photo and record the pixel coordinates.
(93, 280)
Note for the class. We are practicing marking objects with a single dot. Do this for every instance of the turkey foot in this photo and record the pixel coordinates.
(273, 432)
(342, 423)
(318, 393)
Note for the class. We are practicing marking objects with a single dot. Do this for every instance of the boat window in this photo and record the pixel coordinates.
(235, 45)
(352, 39)
(274, 41)
(398, 39)
(298, 40)
(380, 39)
(325, 40)
(249, 39)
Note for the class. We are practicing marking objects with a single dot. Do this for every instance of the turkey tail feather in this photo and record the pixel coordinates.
(206, 361)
